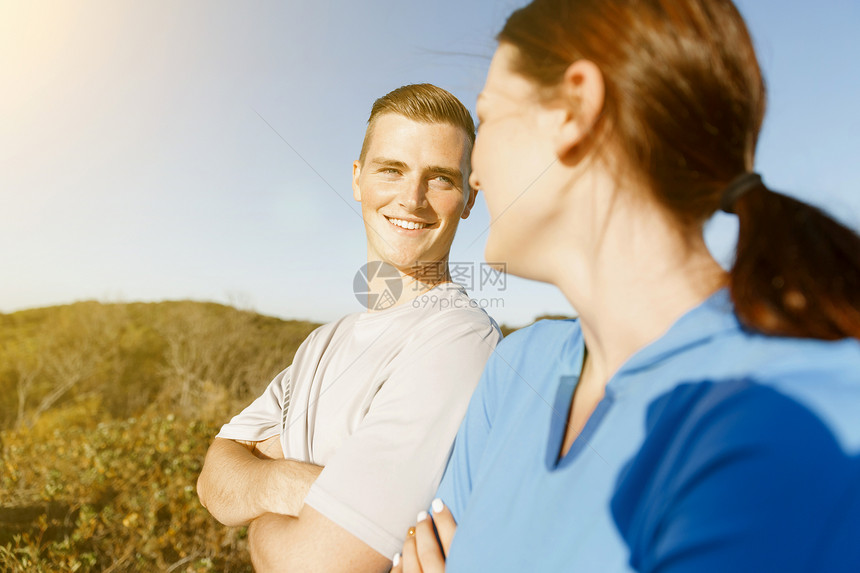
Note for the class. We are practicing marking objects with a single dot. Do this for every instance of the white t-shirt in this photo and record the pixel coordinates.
(377, 398)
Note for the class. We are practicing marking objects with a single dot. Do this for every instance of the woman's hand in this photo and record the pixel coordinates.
(422, 552)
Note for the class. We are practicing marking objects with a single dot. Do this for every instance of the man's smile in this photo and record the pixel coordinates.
(409, 225)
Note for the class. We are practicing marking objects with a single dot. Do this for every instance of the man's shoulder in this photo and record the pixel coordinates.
(449, 303)
(327, 329)
(323, 336)
(452, 313)
(443, 311)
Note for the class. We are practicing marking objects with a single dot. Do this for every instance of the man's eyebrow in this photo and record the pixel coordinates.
(386, 162)
(454, 174)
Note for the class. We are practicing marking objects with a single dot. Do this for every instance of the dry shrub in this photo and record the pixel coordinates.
(111, 496)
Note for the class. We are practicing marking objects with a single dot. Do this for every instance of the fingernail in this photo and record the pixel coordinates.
(437, 505)
(395, 561)
(421, 516)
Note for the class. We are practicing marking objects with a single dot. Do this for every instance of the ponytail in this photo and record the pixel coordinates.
(796, 271)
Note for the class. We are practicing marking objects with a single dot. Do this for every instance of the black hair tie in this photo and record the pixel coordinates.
(737, 188)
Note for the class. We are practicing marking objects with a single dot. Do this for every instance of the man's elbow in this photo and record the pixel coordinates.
(220, 511)
(204, 489)
(201, 490)
(206, 502)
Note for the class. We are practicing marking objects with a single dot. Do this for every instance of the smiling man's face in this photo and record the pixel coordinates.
(413, 188)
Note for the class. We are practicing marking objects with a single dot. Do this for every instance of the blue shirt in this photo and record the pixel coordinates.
(714, 449)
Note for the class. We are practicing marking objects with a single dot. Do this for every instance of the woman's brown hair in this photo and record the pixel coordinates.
(685, 101)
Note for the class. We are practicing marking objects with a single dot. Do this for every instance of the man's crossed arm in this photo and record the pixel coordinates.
(244, 482)
(241, 481)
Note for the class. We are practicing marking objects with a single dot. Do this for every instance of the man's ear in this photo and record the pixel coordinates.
(582, 94)
(470, 201)
(356, 173)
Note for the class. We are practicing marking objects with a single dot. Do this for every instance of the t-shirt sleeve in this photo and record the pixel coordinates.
(738, 477)
(263, 418)
(388, 469)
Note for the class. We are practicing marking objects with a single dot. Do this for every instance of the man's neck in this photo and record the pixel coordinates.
(413, 283)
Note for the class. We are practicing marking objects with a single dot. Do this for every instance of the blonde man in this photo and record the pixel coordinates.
(331, 464)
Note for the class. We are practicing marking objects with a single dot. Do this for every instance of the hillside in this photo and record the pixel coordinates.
(186, 357)
(106, 411)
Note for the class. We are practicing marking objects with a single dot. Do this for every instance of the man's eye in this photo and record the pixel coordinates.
(390, 171)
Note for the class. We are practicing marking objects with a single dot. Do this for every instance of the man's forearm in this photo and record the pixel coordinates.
(236, 486)
(310, 543)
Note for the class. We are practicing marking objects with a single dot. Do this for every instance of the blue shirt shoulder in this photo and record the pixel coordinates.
(779, 491)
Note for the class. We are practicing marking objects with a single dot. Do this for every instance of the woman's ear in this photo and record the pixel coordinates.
(582, 93)
(356, 173)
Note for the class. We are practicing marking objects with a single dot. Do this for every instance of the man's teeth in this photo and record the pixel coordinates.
(407, 224)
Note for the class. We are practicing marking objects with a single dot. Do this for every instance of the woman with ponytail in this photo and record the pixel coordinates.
(691, 419)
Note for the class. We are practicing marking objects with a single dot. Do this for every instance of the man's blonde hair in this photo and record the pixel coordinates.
(425, 103)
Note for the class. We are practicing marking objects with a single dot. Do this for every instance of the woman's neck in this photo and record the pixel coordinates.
(639, 278)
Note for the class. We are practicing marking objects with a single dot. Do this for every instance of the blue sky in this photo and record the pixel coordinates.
(134, 163)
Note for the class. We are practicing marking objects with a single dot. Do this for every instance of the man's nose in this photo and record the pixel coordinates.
(413, 196)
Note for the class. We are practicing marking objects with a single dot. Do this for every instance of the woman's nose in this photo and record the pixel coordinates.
(473, 181)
